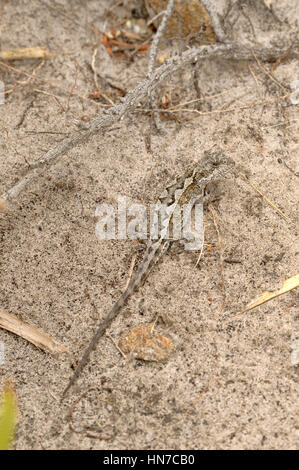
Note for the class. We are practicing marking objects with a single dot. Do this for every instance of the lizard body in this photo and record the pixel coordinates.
(212, 167)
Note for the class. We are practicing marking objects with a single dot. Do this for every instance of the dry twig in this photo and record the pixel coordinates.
(229, 50)
(270, 203)
(218, 30)
(30, 333)
(153, 55)
(25, 53)
(157, 38)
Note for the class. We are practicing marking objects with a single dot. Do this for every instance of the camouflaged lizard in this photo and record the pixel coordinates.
(212, 167)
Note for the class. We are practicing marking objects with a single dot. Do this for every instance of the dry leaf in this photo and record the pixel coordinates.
(25, 53)
(189, 17)
(161, 58)
(30, 333)
(288, 285)
(144, 343)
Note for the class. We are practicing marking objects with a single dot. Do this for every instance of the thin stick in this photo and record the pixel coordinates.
(131, 270)
(132, 99)
(153, 55)
(50, 94)
(202, 246)
(207, 97)
(42, 80)
(30, 333)
(158, 35)
(25, 53)
(269, 74)
(222, 111)
(116, 346)
(93, 60)
(285, 217)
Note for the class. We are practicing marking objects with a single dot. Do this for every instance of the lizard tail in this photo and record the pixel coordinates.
(100, 331)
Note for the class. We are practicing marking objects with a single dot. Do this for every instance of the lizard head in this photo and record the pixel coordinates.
(218, 160)
(215, 165)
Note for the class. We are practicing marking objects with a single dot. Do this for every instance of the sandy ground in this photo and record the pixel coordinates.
(229, 384)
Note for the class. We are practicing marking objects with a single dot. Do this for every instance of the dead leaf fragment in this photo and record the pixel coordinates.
(162, 58)
(288, 285)
(189, 17)
(144, 343)
(25, 53)
(30, 333)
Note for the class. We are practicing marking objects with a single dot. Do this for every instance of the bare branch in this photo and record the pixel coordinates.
(153, 55)
(229, 50)
(156, 40)
(218, 30)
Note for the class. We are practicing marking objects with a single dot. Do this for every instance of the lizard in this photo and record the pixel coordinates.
(211, 167)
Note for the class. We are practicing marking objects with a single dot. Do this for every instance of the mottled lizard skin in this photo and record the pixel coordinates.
(212, 167)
